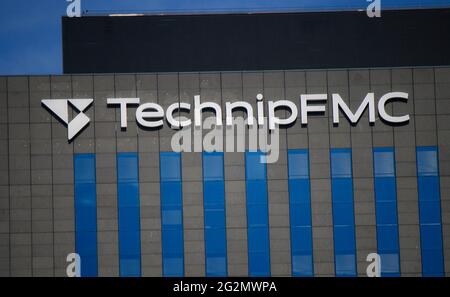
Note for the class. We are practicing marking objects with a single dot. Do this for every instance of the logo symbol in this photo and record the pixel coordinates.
(60, 108)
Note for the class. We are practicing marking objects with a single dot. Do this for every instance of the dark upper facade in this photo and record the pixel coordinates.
(180, 43)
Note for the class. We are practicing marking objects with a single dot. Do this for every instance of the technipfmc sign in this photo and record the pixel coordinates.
(151, 115)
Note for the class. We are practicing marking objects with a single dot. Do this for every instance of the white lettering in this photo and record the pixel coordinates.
(382, 107)
(305, 109)
(275, 120)
(142, 115)
(240, 104)
(354, 118)
(199, 107)
(123, 102)
(176, 123)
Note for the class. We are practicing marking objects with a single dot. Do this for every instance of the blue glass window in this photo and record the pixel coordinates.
(171, 214)
(430, 211)
(386, 210)
(129, 214)
(214, 210)
(343, 212)
(257, 215)
(300, 213)
(86, 213)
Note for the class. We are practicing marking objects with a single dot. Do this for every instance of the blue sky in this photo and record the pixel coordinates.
(30, 30)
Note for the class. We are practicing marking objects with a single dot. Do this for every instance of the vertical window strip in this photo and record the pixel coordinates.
(129, 214)
(386, 210)
(257, 215)
(343, 212)
(171, 214)
(300, 213)
(430, 211)
(86, 213)
(214, 210)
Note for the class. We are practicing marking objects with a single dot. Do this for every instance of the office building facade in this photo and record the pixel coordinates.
(73, 179)
(129, 205)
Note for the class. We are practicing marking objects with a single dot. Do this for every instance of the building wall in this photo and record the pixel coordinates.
(37, 210)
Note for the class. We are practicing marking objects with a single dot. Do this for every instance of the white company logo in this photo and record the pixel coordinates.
(60, 108)
(151, 115)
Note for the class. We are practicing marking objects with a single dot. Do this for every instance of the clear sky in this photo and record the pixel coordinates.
(30, 30)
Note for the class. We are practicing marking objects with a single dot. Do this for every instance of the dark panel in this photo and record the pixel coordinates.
(256, 41)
